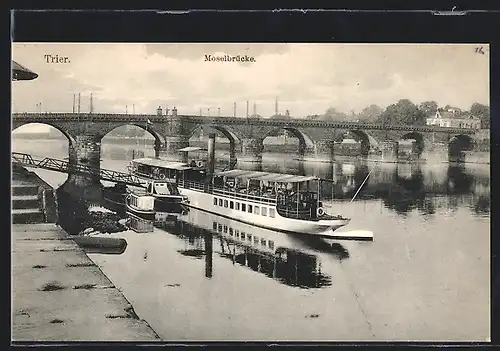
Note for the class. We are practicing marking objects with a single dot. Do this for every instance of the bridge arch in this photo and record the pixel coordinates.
(367, 141)
(466, 142)
(208, 128)
(457, 145)
(419, 141)
(227, 132)
(124, 130)
(150, 129)
(69, 137)
(51, 141)
(305, 142)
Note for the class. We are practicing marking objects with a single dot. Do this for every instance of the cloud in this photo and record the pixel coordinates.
(307, 78)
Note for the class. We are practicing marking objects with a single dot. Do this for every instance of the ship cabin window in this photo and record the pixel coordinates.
(225, 203)
(250, 209)
(220, 202)
(255, 240)
(264, 211)
(215, 201)
(271, 244)
(231, 231)
(215, 226)
(237, 206)
(225, 229)
(220, 228)
(263, 242)
(243, 235)
(231, 205)
(249, 237)
(256, 210)
(271, 212)
(244, 207)
(235, 233)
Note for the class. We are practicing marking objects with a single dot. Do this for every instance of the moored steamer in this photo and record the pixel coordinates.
(283, 202)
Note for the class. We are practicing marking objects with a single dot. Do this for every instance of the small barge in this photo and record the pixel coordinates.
(141, 206)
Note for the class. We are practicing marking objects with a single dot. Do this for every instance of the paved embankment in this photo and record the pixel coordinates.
(60, 294)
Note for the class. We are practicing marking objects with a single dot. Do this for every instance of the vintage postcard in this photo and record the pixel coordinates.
(250, 192)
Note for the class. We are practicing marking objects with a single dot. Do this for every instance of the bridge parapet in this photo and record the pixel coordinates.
(235, 121)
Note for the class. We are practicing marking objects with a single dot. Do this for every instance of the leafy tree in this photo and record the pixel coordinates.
(483, 112)
(404, 112)
(370, 114)
(332, 114)
(428, 108)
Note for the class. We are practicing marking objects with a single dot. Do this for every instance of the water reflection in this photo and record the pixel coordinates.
(403, 187)
(289, 259)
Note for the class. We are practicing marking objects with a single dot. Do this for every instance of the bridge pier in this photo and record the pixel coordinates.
(395, 149)
(232, 156)
(81, 186)
(172, 144)
(251, 149)
(455, 153)
(324, 149)
(86, 150)
(157, 148)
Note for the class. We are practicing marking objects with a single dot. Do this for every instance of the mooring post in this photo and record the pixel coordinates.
(208, 238)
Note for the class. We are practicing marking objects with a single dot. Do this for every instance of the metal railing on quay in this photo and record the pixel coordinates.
(67, 167)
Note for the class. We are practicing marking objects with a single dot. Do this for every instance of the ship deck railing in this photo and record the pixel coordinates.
(296, 214)
(221, 191)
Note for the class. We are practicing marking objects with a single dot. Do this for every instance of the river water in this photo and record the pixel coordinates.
(425, 276)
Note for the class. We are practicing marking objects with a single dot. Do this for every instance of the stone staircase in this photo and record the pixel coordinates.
(26, 203)
(29, 203)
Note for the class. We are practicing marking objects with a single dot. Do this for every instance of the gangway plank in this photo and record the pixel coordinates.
(63, 166)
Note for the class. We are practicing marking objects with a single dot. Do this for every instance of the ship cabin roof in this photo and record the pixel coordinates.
(268, 176)
(156, 162)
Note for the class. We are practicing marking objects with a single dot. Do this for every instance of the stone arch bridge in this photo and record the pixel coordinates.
(246, 135)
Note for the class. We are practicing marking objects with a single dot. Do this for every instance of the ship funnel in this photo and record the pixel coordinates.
(211, 154)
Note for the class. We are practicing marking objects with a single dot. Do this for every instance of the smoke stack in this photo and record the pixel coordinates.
(74, 101)
(234, 110)
(218, 112)
(247, 108)
(254, 109)
(276, 106)
(79, 100)
(91, 104)
(211, 154)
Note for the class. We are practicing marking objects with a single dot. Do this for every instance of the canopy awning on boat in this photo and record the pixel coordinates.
(156, 162)
(192, 148)
(234, 173)
(269, 176)
(276, 177)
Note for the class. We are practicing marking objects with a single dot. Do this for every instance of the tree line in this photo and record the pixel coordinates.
(404, 112)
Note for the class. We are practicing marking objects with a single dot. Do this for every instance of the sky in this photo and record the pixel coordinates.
(305, 78)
